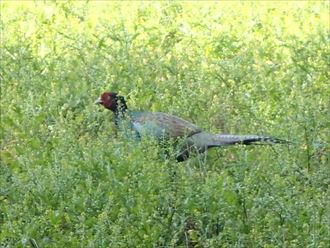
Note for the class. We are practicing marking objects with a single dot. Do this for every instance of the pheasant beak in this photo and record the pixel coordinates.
(99, 101)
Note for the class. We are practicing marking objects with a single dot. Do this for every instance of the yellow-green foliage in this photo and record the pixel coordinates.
(67, 179)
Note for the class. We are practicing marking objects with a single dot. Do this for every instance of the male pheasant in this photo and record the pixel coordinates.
(164, 126)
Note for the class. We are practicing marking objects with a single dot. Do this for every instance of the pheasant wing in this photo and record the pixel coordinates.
(163, 125)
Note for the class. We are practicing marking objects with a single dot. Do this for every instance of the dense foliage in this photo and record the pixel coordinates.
(68, 179)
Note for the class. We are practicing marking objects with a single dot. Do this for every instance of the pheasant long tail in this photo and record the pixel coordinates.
(216, 140)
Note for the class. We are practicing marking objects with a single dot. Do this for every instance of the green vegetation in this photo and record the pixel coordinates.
(67, 179)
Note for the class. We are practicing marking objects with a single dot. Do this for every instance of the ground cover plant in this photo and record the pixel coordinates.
(69, 179)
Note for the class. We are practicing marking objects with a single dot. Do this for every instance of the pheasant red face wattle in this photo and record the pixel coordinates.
(108, 100)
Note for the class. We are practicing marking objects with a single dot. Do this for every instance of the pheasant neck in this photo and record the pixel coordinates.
(120, 113)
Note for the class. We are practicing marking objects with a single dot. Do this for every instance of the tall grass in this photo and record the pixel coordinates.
(68, 179)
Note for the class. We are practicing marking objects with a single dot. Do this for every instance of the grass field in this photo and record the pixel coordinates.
(68, 179)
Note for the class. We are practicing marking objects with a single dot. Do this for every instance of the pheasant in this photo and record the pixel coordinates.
(164, 126)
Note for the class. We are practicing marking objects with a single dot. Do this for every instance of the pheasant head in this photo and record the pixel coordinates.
(113, 102)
